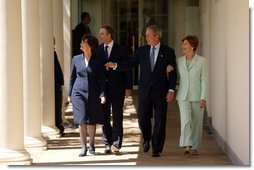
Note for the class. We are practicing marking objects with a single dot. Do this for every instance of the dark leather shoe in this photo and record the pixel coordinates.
(146, 146)
(107, 149)
(155, 154)
(92, 149)
(61, 129)
(83, 152)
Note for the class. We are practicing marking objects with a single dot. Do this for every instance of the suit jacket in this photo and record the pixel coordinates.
(116, 82)
(59, 79)
(87, 81)
(193, 80)
(158, 79)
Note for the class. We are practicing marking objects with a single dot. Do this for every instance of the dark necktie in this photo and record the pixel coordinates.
(106, 52)
(152, 56)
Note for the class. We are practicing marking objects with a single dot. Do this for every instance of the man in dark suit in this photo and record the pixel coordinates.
(118, 85)
(156, 88)
(81, 29)
(59, 82)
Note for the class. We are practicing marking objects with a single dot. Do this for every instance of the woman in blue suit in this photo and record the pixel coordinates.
(192, 94)
(87, 85)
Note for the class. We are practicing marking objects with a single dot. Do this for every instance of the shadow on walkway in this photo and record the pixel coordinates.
(65, 150)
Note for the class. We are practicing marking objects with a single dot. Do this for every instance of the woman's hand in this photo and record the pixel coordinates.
(202, 103)
(169, 69)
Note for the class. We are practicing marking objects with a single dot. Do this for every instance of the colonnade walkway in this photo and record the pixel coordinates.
(65, 150)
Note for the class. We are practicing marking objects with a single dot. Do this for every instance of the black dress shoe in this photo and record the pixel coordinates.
(61, 128)
(155, 154)
(92, 149)
(107, 149)
(146, 146)
(83, 152)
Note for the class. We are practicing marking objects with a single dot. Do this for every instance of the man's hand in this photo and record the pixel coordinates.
(103, 100)
(109, 65)
(170, 96)
(169, 69)
(128, 92)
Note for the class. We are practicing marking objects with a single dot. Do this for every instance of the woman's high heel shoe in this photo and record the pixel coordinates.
(187, 150)
(92, 149)
(83, 152)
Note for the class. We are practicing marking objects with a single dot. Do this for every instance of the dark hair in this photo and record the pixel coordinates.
(91, 41)
(193, 41)
(84, 14)
(110, 31)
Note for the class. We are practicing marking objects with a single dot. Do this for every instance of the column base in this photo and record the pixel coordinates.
(50, 132)
(35, 142)
(14, 157)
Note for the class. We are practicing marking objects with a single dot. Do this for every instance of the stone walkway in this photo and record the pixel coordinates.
(65, 150)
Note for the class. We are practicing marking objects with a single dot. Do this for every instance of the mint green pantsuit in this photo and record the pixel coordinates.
(193, 86)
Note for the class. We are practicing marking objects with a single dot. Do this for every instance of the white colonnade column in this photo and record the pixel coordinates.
(58, 28)
(11, 85)
(47, 68)
(31, 67)
(67, 32)
(58, 34)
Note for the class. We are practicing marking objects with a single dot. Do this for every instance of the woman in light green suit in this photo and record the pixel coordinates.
(192, 94)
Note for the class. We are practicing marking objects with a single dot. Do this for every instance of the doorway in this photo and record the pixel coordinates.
(177, 18)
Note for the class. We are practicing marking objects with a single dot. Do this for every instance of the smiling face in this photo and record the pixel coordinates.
(152, 38)
(186, 47)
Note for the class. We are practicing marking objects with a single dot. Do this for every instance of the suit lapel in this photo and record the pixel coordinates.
(147, 59)
(111, 55)
(193, 62)
(159, 58)
(184, 63)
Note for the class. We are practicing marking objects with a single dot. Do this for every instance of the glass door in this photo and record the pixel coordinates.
(130, 18)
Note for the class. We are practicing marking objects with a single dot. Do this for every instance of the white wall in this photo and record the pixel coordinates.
(75, 14)
(185, 23)
(228, 52)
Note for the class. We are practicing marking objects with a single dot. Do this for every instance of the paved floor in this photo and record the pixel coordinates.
(65, 150)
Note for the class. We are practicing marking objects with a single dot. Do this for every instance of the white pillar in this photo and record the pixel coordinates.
(58, 28)
(11, 87)
(47, 68)
(67, 30)
(58, 34)
(31, 67)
